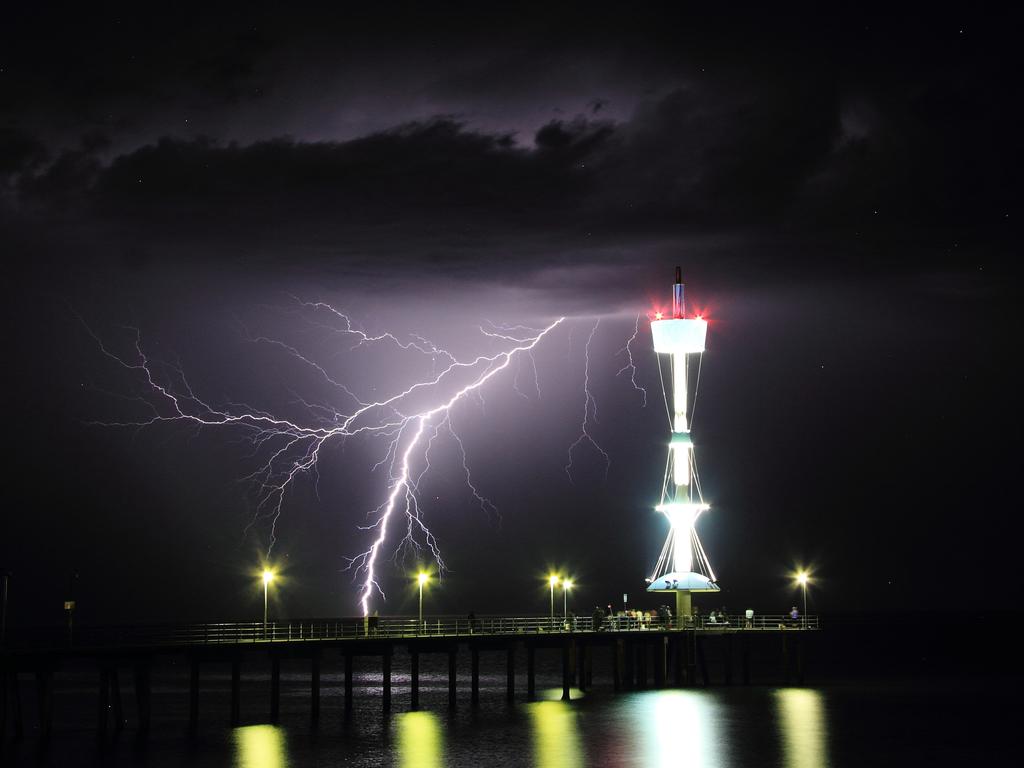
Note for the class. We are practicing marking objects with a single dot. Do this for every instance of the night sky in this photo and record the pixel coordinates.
(841, 190)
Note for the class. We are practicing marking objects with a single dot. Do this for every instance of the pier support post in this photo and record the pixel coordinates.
(641, 666)
(348, 683)
(745, 658)
(727, 652)
(702, 662)
(572, 662)
(800, 660)
(578, 678)
(690, 652)
(275, 688)
(531, 671)
(785, 659)
(143, 695)
(586, 666)
(510, 672)
(617, 665)
(236, 691)
(474, 654)
(314, 689)
(660, 661)
(566, 668)
(414, 679)
(193, 694)
(628, 657)
(386, 679)
(678, 650)
(451, 677)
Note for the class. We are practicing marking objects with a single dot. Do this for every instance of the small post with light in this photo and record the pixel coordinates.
(268, 576)
(422, 579)
(802, 577)
(566, 586)
(553, 582)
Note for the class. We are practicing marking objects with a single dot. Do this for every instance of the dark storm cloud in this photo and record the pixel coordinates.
(445, 136)
(692, 161)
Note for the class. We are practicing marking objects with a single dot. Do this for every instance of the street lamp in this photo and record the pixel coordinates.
(553, 582)
(566, 586)
(802, 577)
(268, 576)
(422, 579)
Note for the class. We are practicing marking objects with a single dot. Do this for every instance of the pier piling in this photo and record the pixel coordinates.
(531, 671)
(414, 679)
(474, 655)
(348, 683)
(275, 688)
(314, 689)
(451, 678)
(236, 691)
(510, 672)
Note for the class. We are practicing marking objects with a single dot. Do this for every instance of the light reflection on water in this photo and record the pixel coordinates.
(556, 738)
(680, 728)
(803, 726)
(420, 740)
(654, 729)
(260, 746)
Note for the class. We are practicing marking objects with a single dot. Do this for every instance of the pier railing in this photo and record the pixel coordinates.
(312, 630)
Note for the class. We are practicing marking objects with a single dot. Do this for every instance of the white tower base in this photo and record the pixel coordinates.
(684, 585)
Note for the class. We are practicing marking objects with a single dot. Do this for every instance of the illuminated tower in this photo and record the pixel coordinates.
(683, 566)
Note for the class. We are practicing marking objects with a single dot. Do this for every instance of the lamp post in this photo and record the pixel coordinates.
(552, 582)
(566, 586)
(802, 578)
(422, 579)
(268, 576)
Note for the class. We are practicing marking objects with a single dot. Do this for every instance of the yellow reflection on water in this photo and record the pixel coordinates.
(420, 742)
(802, 717)
(556, 737)
(260, 746)
(683, 730)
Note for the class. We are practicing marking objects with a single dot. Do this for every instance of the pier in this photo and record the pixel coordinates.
(637, 654)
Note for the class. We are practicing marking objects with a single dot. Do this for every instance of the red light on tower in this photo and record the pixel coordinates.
(658, 315)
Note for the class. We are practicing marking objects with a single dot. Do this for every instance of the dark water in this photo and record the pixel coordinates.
(962, 723)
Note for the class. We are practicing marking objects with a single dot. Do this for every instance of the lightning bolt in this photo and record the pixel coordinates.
(288, 449)
(589, 412)
(631, 365)
(401, 487)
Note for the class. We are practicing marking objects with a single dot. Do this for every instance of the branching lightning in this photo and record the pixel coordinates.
(631, 365)
(288, 449)
(589, 412)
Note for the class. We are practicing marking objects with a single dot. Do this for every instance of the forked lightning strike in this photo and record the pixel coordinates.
(589, 412)
(631, 364)
(291, 449)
